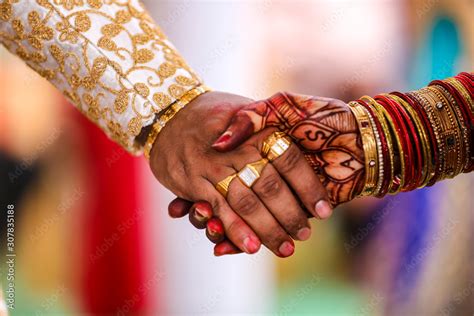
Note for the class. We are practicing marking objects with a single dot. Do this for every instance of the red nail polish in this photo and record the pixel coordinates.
(214, 227)
(224, 249)
(224, 138)
(202, 214)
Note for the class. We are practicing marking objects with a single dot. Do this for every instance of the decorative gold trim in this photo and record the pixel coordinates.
(369, 144)
(169, 113)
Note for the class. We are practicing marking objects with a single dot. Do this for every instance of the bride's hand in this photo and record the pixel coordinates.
(323, 128)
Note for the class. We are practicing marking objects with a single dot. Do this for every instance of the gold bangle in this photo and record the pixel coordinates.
(456, 127)
(370, 147)
(438, 128)
(436, 125)
(169, 113)
(397, 181)
(428, 167)
(462, 90)
(388, 137)
(450, 133)
(462, 123)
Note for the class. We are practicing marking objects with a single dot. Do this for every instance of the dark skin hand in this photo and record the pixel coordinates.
(323, 128)
(183, 160)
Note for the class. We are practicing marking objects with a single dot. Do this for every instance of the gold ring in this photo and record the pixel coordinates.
(251, 172)
(275, 145)
(223, 186)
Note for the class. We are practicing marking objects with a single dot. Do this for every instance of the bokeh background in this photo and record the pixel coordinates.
(92, 235)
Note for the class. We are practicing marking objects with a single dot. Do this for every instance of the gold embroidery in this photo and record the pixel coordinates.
(82, 22)
(121, 102)
(176, 91)
(96, 4)
(111, 30)
(143, 56)
(142, 89)
(135, 126)
(161, 99)
(185, 81)
(136, 74)
(5, 10)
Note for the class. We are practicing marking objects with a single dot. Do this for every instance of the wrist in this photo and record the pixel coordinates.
(168, 114)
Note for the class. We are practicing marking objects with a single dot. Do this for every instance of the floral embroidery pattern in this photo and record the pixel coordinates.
(107, 57)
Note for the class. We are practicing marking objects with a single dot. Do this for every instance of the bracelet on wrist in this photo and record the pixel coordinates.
(169, 113)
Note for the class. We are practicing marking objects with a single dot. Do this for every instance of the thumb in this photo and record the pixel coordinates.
(245, 123)
(239, 130)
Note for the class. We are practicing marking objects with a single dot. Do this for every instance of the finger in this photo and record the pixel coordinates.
(179, 207)
(280, 201)
(200, 213)
(225, 247)
(215, 230)
(246, 122)
(303, 180)
(258, 217)
(236, 230)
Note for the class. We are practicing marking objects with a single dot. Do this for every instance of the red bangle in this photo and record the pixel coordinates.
(467, 80)
(401, 130)
(426, 124)
(417, 156)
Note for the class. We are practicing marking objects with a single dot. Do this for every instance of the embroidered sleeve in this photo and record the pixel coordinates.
(106, 56)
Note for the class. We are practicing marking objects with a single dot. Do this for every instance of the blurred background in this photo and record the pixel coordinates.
(92, 235)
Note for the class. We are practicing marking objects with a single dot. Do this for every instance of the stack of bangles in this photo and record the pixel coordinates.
(415, 139)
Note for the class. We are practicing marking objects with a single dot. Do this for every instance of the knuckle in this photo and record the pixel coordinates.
(234, 228)
(246, 204)
(294, 224)
(289, 160)
(270, 186)
(216, 203)
(275, 239)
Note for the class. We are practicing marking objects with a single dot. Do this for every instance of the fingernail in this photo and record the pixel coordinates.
(323, 209)
(250, 245)
(304, 233)
(214, 227)
(286, 249)
(224, 137)
(200, 214)
(224, 249)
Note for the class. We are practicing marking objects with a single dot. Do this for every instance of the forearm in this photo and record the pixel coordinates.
(109, 59)
(388, 144)
(416, 139)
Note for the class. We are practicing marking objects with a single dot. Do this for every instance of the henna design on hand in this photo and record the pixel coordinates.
(324, 129)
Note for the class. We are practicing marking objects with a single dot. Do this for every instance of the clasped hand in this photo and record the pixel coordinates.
(218, 134)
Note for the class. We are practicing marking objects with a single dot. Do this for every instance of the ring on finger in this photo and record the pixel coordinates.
(249, 174)
(223, 186)
(275, 145)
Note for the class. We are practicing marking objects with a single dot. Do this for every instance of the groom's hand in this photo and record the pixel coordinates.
(182, 159)
(323, 128)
